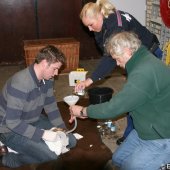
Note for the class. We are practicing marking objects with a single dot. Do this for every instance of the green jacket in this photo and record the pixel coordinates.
(146, 95)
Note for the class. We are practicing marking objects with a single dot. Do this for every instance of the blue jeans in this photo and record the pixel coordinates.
(29, 151)
(137, 154)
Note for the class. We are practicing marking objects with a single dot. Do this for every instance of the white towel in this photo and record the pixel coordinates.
(59, 146)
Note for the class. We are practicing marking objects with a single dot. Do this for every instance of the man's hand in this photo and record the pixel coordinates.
(77, 111)
(56, 129)
(71, 120)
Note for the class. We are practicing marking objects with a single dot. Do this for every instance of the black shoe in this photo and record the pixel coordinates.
(120, 140)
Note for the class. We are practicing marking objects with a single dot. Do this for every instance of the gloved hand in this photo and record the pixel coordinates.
(49, 135)
(59, 145)
(55, 129)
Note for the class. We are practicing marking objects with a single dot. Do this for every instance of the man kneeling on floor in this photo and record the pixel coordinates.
(23, 128)
(146, 96)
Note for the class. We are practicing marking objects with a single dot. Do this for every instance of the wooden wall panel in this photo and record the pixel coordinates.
(17, 24)
(59, 19)
(23, 20)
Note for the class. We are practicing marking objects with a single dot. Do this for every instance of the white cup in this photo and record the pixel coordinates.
(81, 92)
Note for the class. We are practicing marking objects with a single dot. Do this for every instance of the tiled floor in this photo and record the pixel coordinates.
(62, 88)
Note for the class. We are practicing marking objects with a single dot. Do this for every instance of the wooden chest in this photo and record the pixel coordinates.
(69, 46)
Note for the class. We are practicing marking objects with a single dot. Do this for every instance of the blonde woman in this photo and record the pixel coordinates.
(104, 19)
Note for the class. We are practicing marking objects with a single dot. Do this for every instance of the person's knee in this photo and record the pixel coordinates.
(49, 157)
(72, 140)
(115, 160)
(129, 165)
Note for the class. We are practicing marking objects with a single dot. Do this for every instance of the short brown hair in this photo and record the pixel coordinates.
(51, 54)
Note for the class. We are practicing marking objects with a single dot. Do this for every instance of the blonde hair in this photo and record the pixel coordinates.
(93, 9)
(116, 44)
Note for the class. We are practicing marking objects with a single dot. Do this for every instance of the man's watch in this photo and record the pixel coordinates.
(81, 112)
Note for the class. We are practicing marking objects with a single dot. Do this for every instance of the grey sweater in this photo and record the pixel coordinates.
(21, 102)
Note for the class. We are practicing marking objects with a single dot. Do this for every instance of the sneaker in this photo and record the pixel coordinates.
(120, 140)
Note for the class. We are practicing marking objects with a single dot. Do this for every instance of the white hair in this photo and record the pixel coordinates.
(116, 44)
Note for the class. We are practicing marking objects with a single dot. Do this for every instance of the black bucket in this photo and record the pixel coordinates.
(99, 94)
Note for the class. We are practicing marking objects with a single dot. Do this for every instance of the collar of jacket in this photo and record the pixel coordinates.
(137, 56)
(33, 75)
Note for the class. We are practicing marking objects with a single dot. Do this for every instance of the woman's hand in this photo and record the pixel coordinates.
(82, 85)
